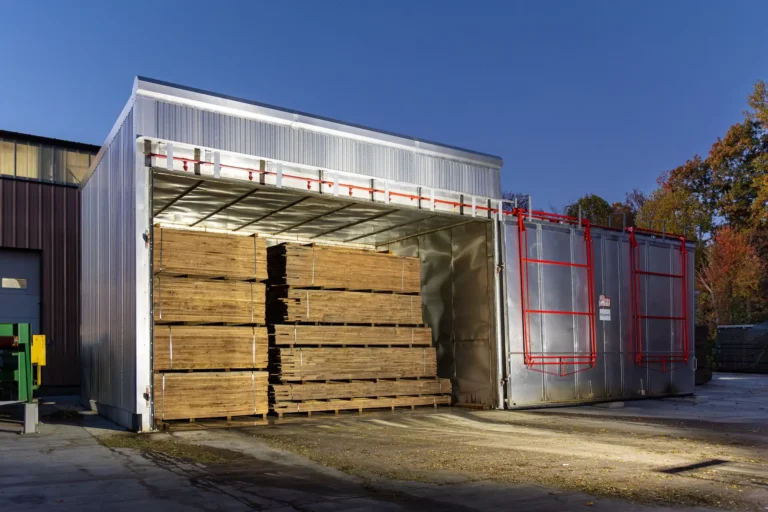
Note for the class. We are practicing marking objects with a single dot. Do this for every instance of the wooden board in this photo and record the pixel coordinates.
(359, 389)
(205, 254)
(304, 364)
(210, 394)
(324, 306)
(184, 347)
(360, 404)
(330, 335)
(180, 299)
(341, 267)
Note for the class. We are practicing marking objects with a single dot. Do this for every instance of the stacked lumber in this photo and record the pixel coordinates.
(359, 404)
(378, 353)
(346, 335)
(359, 389)
(306, 364)
(183, 347)
(210, 395)
(202, 301)
(324, 306)
(338, 267)
(179, 252)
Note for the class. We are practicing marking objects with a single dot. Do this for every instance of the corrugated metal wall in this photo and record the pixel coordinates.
(190, 125)
(560, 288)
(108, 329)
(46, 218)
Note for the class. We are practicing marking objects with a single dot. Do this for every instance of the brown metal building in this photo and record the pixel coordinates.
(40, 244)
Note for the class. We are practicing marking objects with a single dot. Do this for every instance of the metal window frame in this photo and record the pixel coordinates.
(542, 359)
(642, 358)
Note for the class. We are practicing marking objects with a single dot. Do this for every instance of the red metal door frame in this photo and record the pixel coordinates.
(542, 359)
(664, 359)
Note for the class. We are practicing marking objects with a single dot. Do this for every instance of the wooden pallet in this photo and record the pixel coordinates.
(196, 348)
(359, 389)
(340, 267)
(204, 254)
(359, 404)
(339, 335)
(289, 305)
(210, 395)
(179, 299)
(211, 423)
(312, 364)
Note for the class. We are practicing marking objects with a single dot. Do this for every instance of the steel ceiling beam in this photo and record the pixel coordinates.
(231, 203)
(358, 222)
(273, 212)
(425, 232)
(396, 226)
(302, 223)
(180, 196)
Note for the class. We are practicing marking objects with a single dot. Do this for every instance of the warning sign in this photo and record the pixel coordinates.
(605, 302)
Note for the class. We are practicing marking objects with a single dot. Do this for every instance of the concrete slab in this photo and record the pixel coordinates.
(65, 467)
(729, 398)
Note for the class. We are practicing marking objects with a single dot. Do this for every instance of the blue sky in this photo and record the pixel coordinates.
(577, 97)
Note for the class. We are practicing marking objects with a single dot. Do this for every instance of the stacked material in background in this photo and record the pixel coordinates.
(210, 338)
(347, 332)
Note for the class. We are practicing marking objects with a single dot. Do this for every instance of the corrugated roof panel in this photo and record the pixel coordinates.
(199, 118)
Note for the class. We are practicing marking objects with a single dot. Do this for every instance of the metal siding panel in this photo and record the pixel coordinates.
(36, 216)
(107, 278)
(185, 124)
(617, 375)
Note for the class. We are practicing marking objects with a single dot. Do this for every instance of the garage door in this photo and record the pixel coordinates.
(20, 287)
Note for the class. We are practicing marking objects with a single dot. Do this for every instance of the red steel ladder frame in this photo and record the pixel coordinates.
(642, 358)
(543, 359)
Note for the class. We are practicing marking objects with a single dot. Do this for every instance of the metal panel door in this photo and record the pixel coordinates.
(20, 287)
(550, 310)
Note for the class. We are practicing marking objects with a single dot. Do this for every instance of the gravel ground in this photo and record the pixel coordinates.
(656, 461)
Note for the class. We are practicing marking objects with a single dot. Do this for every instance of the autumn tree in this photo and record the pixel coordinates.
(729, 280)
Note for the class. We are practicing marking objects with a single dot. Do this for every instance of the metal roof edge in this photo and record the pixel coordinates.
(115, 128)
(39, 139)
(296, 118)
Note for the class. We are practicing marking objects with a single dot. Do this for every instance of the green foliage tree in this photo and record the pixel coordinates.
(674, 210)
(593, 207)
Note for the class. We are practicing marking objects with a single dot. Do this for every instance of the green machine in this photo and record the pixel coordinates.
(22, 355)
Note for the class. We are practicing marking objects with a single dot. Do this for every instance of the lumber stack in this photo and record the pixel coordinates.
(335, 347)
(198, 395)
(179, 252)
(329, 267)
(207, 301)
(209, 314)
(335, 363)
(342, 335)
(325, 306)
(360, 388)
(184, 347)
